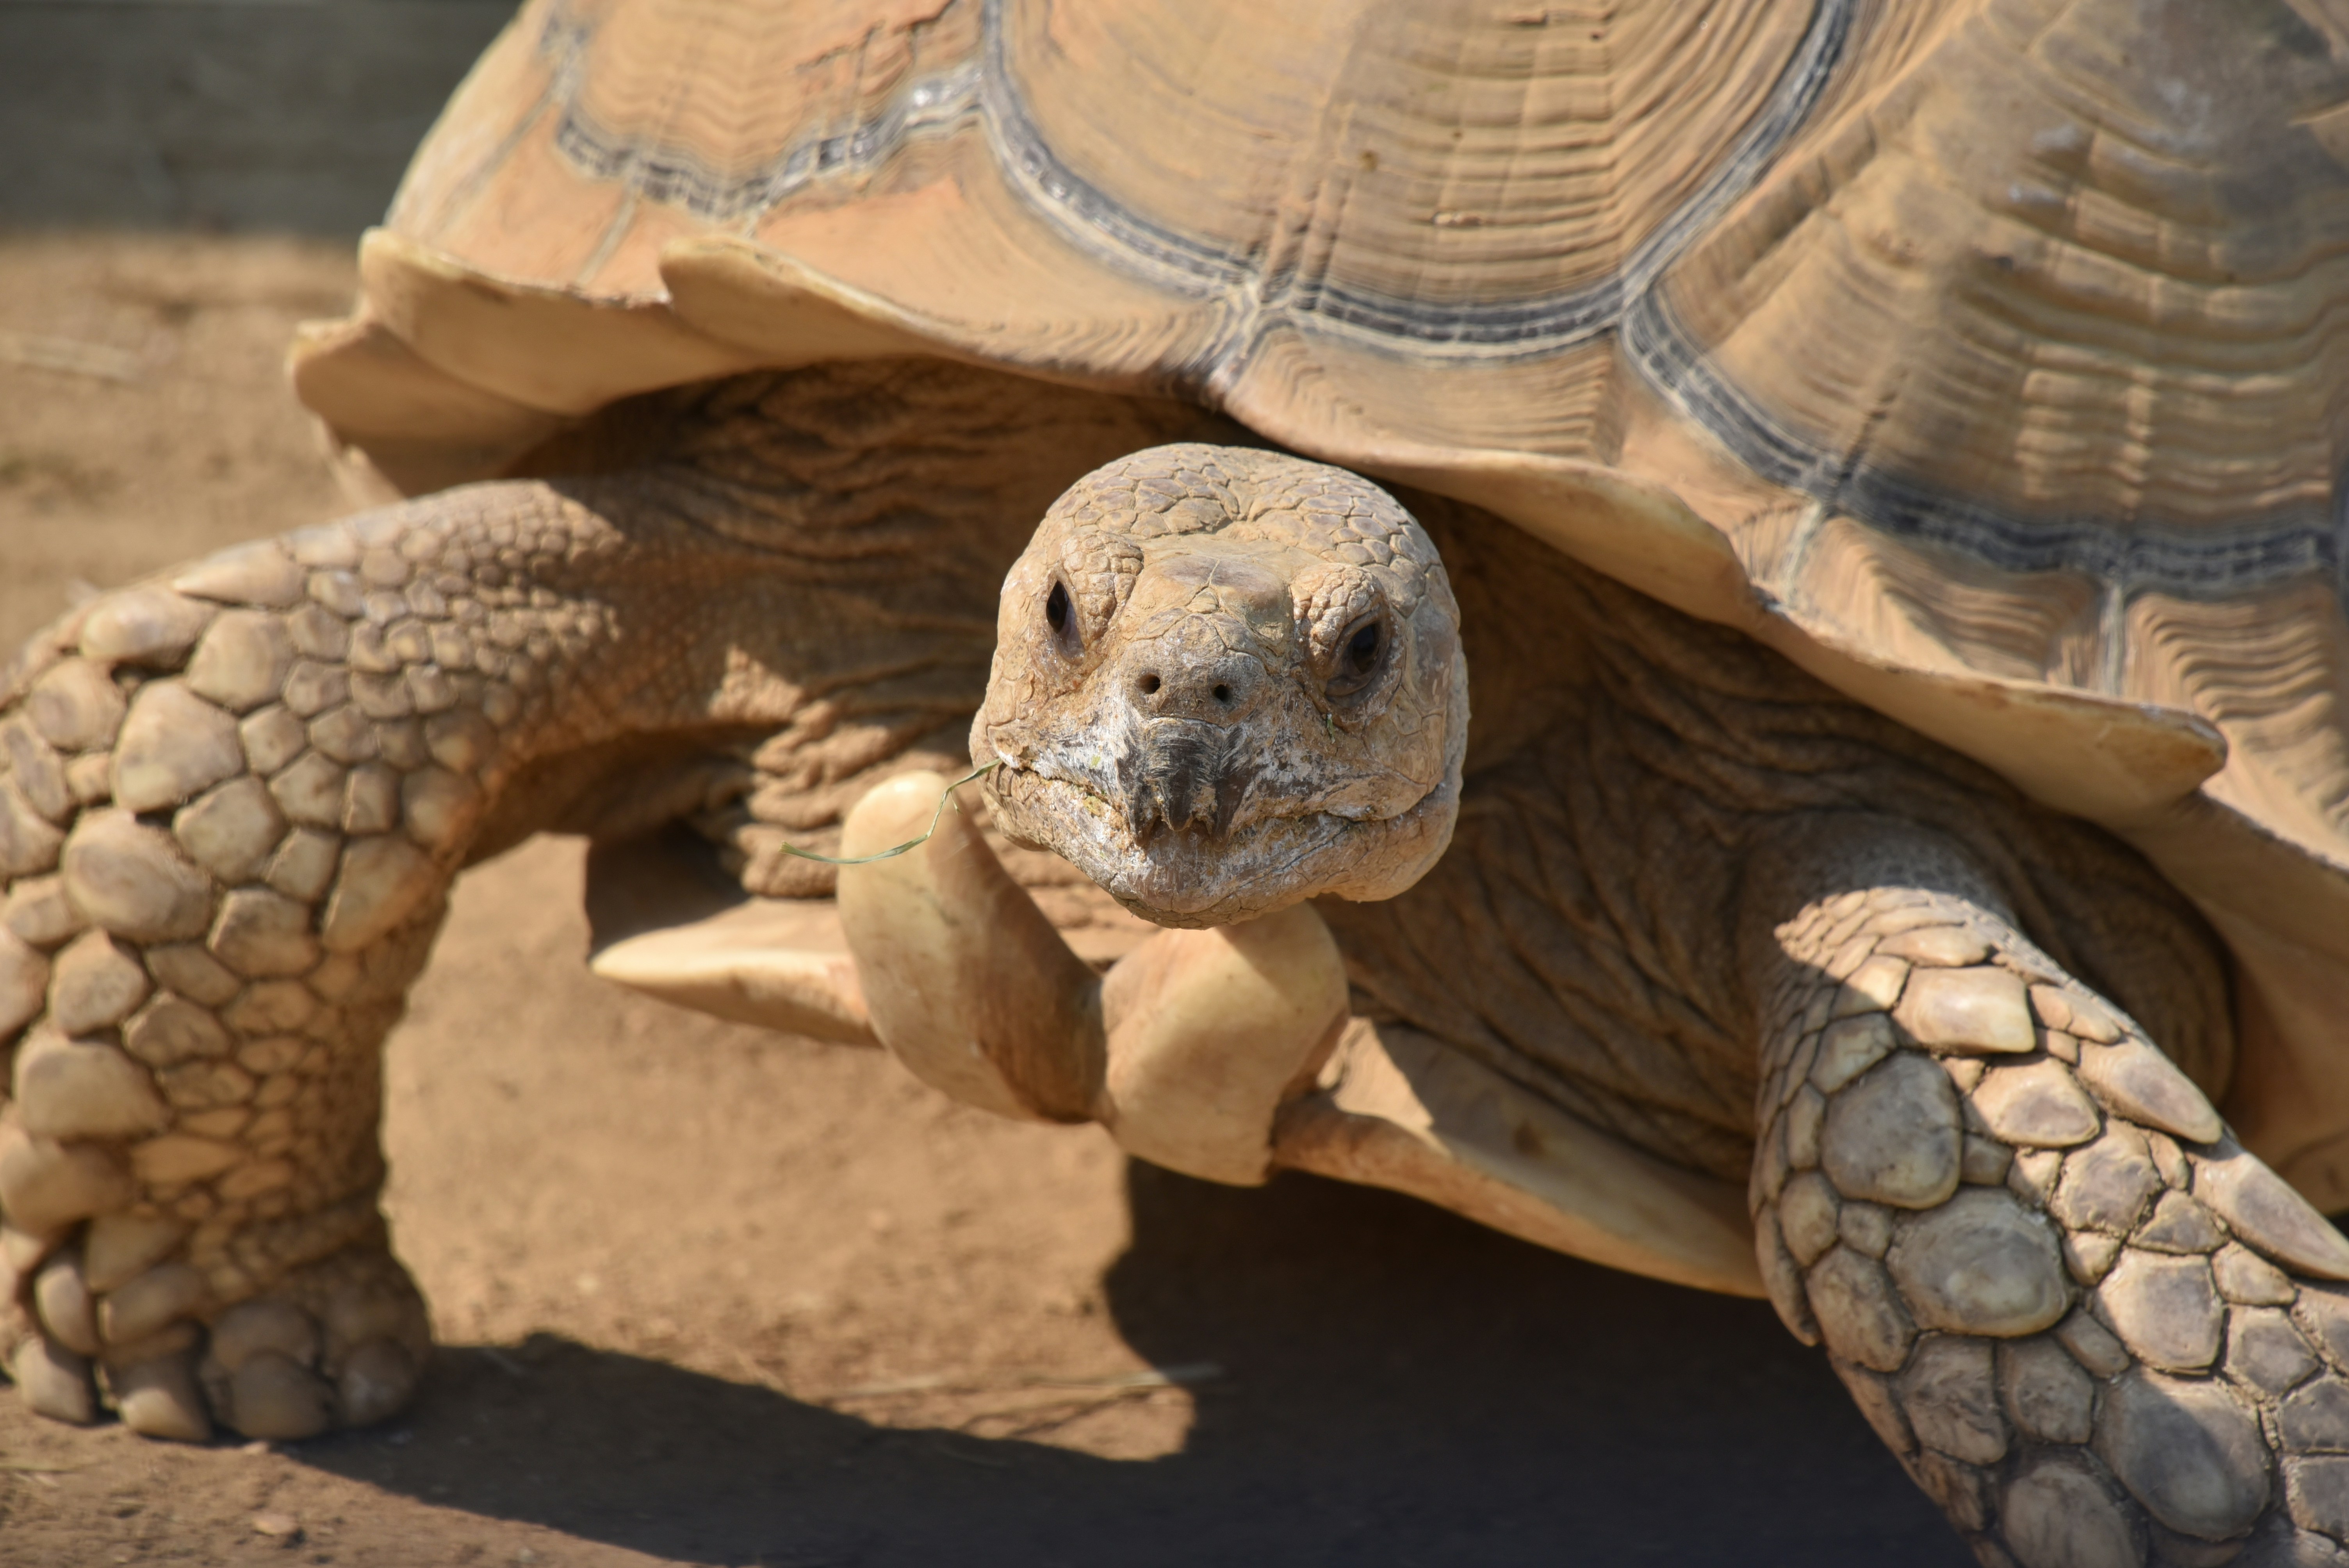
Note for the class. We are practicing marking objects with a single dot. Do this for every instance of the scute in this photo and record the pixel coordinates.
(1987, 360)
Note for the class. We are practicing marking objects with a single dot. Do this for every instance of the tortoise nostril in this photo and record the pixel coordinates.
(1149, 684)
(1223, 694)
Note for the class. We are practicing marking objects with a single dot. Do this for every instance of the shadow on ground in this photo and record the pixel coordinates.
(1398, 1388)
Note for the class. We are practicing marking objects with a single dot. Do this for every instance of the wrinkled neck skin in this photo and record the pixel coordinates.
(1632, 790)
(1226, 681)
(744, 602)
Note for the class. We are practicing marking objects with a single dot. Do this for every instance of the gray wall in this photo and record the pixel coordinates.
(286, 115)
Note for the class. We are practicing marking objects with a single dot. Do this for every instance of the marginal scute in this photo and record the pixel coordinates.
(1539, 352)
(1805, 1116)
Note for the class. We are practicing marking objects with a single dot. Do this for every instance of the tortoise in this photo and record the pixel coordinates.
(1882, 467)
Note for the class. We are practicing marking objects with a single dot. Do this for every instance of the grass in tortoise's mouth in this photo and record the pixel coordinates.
(894, 850)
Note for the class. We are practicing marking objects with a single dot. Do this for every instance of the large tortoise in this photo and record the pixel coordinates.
(1886, 464)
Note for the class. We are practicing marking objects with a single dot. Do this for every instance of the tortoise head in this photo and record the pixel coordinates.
(1225, 681)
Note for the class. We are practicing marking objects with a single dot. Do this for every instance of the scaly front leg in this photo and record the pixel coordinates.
(235, 801)
(1185, 1051)
(2083, 1316)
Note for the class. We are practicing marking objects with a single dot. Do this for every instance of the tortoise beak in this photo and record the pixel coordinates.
(1179, 771)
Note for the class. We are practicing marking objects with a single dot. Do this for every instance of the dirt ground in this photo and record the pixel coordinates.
(711, 1296)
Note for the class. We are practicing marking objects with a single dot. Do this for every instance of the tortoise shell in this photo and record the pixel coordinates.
(1989, 359)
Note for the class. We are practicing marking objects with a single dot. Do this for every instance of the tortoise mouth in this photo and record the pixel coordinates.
(1193, 876)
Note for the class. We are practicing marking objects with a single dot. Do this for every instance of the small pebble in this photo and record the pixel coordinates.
(278, 1526)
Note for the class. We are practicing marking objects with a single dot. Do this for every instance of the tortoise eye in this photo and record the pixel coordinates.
(1056, 610)
(1358, 657)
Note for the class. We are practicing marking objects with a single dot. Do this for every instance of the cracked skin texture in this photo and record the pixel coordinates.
(1226, 681)
(237, 794)
(1704, 901)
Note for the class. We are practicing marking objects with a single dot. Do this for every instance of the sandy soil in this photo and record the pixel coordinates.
(712, 1295)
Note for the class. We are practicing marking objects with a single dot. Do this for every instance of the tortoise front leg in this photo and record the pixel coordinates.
(2084, 1317)
(235, 800)
(1185, 1051)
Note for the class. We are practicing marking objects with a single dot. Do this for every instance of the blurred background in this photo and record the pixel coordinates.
(277, 116)
(181, 183)
(710, 1295)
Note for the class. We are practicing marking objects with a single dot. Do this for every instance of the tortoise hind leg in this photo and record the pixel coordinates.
(2084, 1317)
